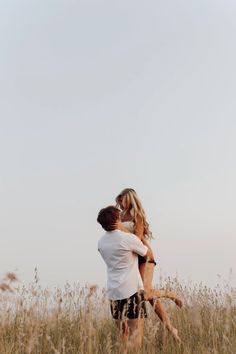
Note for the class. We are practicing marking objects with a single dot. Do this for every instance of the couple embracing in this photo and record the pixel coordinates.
(130, 266)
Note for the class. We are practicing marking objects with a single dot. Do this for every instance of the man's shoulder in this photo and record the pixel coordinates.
(102, 238)
(106, 236)
(115, 235)
(118, 234)
(128, 237)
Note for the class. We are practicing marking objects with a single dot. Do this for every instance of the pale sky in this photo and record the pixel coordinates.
(96, 96)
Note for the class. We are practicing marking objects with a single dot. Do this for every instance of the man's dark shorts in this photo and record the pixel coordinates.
(131, 308)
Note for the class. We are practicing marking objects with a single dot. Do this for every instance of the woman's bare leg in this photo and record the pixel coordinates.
(146, 271)
(162, 314)
(157, 294)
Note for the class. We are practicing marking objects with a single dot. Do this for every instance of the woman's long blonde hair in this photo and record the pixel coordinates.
(134, 207)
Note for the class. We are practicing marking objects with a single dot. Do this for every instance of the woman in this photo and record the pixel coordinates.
(134, 220)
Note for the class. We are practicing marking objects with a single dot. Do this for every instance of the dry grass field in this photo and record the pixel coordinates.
(76, 320)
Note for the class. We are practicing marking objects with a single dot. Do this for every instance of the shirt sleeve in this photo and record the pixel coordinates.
(135, 245)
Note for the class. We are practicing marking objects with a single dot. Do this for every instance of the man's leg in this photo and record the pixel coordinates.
(136, 328)
(123, 329)
(131, 331)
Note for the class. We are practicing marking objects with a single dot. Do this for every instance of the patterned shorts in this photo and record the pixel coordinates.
(131, 308)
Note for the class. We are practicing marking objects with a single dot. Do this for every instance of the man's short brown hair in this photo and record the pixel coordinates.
(108, 217)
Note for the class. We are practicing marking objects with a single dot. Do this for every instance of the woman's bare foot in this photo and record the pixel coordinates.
(173, 296)
(162, 314)
(174, 332)
(178, 302)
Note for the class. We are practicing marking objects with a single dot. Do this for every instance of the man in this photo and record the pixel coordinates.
(120, 252)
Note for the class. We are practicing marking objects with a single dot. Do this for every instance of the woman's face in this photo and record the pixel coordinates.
(122, 203)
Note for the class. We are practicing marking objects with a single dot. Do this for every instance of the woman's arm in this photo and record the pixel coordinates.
(123, 228)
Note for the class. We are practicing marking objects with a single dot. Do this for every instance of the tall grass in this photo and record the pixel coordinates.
(77, 320)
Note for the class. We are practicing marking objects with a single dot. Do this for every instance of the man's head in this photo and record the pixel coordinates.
(108, 217)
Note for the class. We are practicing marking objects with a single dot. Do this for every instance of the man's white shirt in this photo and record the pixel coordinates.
(119, 251)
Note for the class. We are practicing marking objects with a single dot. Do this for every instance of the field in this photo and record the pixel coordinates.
(76, 320)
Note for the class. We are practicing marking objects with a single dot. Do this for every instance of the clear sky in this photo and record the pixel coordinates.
(96, 96)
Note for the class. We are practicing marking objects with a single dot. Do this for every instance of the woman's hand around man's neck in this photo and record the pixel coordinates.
(121, 227)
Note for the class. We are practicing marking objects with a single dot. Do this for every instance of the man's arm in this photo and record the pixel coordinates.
(149, 254)
(138, 247)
